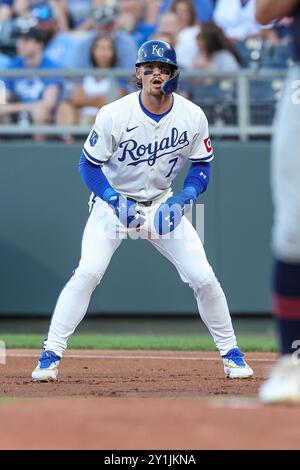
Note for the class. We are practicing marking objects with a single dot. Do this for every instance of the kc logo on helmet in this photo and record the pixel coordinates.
(157, 50)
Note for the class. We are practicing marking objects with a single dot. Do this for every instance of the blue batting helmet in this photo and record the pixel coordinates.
(156, 51)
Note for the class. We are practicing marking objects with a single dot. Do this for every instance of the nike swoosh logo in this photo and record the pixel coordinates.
(131, 129)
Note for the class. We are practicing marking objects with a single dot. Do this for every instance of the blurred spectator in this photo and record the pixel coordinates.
(237, 20)
(184, 9)
(188, 30)
(93, 92)
(6, 27)
(32, 99)
(163, 36)
(72, 49)
(5, 10)
(169, 24)
(271, 36)
(63, 46)
(70, 14)
(46, 20)
(138, 18)
(73, 13)
(203, 9)
(38, 14)
(23, 7)
(4, 61)
(217, 53)
(271, 49)
(103, 20)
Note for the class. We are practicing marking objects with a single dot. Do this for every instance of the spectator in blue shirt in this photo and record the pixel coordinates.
(138, 19)
(103, 20)
(32, 95)
(4, 61)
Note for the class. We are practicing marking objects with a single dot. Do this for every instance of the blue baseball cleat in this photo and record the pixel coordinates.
(47, 368)
(235, 367)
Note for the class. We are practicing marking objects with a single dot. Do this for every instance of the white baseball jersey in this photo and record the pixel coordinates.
(139, 156)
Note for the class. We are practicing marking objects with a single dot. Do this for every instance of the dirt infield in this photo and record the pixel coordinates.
(141, 400)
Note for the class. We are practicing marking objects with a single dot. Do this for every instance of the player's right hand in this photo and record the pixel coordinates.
(126, 209)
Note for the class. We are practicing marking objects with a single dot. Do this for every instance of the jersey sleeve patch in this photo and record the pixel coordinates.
(93, 138)
(207, 144)
(98, 147)
(202, 148)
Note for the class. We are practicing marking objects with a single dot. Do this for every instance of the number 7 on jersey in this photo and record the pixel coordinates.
(173, 161)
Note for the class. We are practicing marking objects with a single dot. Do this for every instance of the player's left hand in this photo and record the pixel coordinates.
(169, 214)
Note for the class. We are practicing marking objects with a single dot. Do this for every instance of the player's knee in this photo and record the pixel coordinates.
(207, 286)
(88, 277)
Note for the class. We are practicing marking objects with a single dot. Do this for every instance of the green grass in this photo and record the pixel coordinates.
(152, 342)
(5, 399)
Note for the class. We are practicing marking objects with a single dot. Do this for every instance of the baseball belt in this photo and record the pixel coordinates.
(144, 203)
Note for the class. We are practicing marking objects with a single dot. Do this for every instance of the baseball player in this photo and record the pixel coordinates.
(136, 148)
(284, 383)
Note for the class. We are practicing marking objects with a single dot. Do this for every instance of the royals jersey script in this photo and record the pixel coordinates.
(139, 156)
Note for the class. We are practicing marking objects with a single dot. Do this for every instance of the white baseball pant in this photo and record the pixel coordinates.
(102, 236)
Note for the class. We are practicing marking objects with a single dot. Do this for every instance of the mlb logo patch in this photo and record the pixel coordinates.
(94, 138)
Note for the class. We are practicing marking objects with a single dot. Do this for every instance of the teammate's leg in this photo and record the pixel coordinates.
(285, 177)
(100, 240)
(284, 382)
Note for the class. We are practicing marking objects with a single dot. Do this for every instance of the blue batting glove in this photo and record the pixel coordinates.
(124, 208)
(185, 199)
(169, 214)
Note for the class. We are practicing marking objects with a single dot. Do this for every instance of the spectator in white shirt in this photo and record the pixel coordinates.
(237, 18)
(216, 51)
(188, 30)
(93, 92)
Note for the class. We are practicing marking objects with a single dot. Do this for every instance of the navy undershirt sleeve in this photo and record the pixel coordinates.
(198, 176)
(93, 176)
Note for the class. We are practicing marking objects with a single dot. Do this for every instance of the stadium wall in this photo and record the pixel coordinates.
(43, 207)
